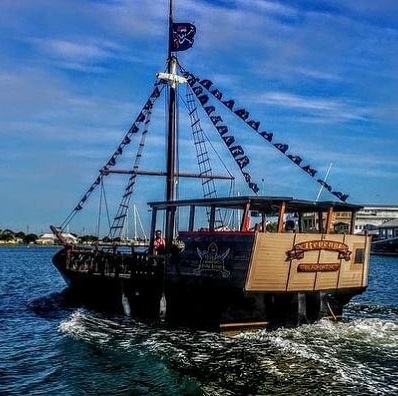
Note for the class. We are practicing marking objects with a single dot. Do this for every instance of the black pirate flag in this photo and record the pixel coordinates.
(182, 36)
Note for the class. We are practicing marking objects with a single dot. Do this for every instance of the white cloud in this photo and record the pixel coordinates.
(83, 55)
(317, 107)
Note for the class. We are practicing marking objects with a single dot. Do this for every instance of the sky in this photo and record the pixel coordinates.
(74, 74)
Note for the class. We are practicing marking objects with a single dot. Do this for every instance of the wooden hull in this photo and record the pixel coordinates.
(223, 279)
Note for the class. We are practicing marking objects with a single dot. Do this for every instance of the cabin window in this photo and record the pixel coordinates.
(359, 256)
(309, 223)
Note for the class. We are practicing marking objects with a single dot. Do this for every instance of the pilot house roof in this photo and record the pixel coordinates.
(263, 203)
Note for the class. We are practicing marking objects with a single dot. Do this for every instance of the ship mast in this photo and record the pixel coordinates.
(171, 136)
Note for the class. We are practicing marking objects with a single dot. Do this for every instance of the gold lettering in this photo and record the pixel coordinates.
(325, 267)
(319, 244)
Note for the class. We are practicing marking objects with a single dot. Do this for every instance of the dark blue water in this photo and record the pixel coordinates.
(49, 348)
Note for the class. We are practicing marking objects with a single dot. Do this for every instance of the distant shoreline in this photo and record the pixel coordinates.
(27, 245)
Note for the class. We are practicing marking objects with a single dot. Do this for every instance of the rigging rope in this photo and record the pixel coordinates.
(199, 86)
(118, 222)
(102, 198)
(99, 214)
(208, 184)
(236, 150)
(112, 161)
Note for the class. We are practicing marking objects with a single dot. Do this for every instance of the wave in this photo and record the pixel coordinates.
(372, 310)
(357, 356)
(53, 305)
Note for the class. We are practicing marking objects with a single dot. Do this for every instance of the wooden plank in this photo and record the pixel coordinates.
(276, 257)
(268, 267)
(242, 324)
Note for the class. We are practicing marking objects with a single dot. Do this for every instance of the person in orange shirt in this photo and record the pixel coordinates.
(159, 244)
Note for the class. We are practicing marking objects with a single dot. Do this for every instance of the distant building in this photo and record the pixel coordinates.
(389, 229)
(375, 215)
(51, 239)
(46, 239)
(14, 241)
(368, 219)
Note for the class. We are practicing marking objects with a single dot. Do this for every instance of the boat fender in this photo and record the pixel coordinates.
(126, 305)
(162, 307)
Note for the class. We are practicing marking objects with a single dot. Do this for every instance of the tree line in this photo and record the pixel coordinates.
(12, 236)
(9, 236)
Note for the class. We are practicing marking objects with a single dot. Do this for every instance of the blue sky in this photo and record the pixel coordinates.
(322, 75)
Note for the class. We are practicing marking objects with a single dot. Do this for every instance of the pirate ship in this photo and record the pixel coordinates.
(288, 266)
